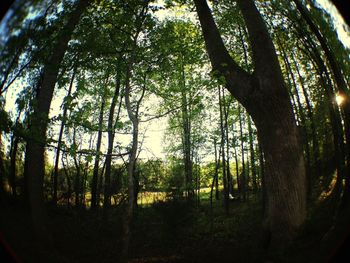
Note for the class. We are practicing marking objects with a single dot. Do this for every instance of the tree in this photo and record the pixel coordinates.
(39, 121)
(265, 97)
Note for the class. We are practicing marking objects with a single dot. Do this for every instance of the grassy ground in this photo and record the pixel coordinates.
(163, 231)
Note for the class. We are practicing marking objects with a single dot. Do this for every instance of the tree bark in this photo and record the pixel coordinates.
(39, 122)
(265, 97)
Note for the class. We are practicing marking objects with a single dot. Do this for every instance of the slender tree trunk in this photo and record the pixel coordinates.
(315, 144)
(187, 145)
(94, 183)
(343, 89)
(39, 122)
(228, 171)
(111, 133)
(335, 117)
(265, 97)
(239, 183)
(252, 154)
(13, 166)
(13, 155)
(224, 175)
(2, 171)
(59, 142)
(77, 173)
(100, 184)
(216, 175)
(69, 183)
(244, 181)
(133, 116)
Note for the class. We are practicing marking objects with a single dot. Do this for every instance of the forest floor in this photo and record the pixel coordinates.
(164, 232)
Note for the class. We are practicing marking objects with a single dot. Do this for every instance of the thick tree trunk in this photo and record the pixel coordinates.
(301, 113)
(266, 99)
(39, 122)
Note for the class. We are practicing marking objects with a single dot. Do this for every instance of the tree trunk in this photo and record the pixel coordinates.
(13, 166)
(266, 99)
(315, 145)
(187, 144)
(39, 122)
(111, 133)
(133, 116)
(301, 112)
(244, 179)
(77, 172)
(252, 155)
(59, 142)
(2, 171)
(94, 183)
(226, 109)
(224, 175)
(216, 174)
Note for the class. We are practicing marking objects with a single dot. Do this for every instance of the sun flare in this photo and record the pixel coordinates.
(339, 99)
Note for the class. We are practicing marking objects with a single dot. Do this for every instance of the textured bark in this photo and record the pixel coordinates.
(39, 122)
(265, 97)
(301, 113)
